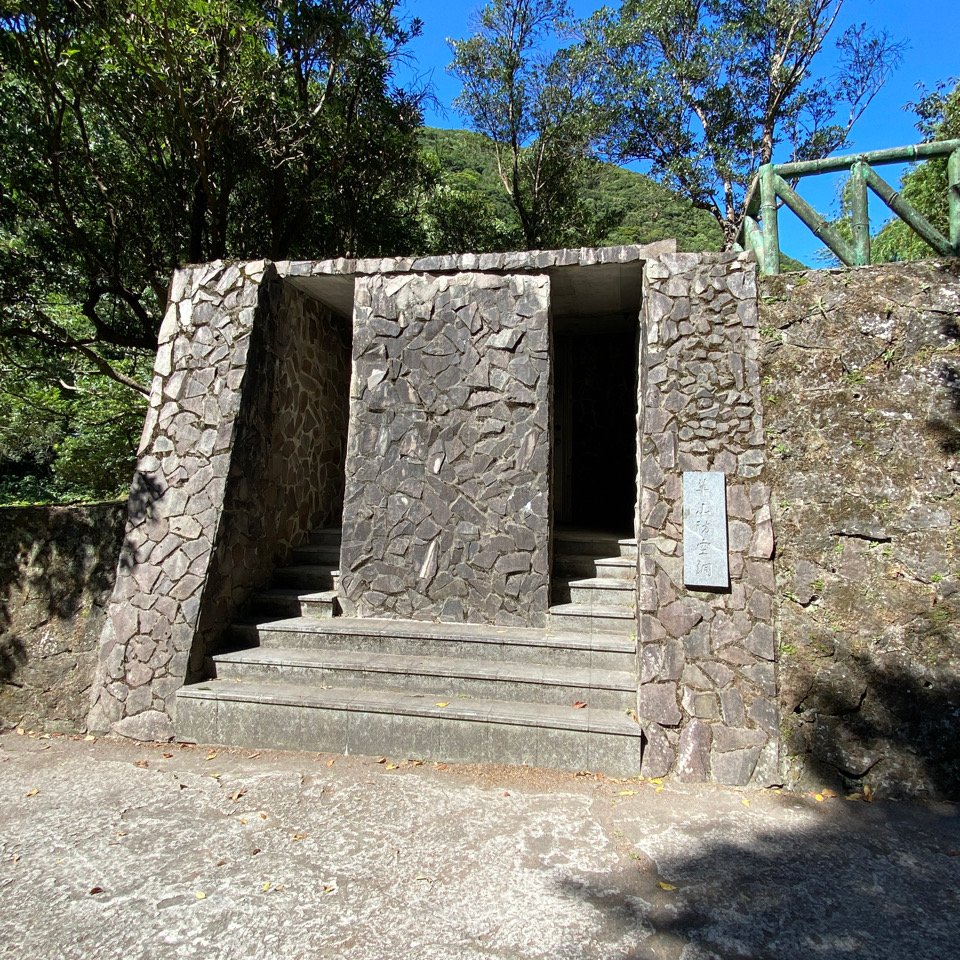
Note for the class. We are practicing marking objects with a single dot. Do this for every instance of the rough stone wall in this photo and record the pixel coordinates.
(447, 498)
(57, 567)
(212, 502)
(862, 409)
(707, 696)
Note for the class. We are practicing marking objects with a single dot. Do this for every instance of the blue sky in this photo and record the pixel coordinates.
(931, 30)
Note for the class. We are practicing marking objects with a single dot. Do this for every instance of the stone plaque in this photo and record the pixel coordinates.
(705, 530)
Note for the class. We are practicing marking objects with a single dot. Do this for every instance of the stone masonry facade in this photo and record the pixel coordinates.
(218, 494)
(447, 504)
(443, 477)
(708, 684)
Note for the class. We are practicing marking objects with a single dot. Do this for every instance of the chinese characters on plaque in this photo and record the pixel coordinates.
(705, 530)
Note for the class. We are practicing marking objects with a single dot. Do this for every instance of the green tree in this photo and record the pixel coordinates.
(707, 90)
(925, 186)
(137, 135)
(535, 102)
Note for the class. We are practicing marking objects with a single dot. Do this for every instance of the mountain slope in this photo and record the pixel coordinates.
(640, 209)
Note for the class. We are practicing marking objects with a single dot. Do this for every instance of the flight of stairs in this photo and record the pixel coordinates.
(303, 678)
(594, 583)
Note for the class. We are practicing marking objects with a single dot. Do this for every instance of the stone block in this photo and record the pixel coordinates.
(658, 703)
(736, 767)
(693, 755)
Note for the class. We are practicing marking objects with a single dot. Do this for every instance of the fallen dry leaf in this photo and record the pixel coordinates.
(212, 755)
(254, 755)
(415, 763)
(579, 704)
(440, 766)
(393, 766)
(200, 895)
(380, 760)
(265, 887)
(32, 793)
(745, 802)
(254, 851)
(663, 885)
(330, 762)
(95, 890)
(329, 888)
(142, 764)
(627, 793)
(506, 793)
(868, 793)
(263, 816)
(442, 703)
(167, 756)
(298, 836)
(819, 797)
(237, 794)
(89, 738)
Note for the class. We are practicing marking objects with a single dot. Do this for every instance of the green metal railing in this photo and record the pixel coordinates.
(770, 188)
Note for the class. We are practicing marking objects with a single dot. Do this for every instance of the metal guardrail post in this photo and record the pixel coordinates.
(770, 185)
(860, 214)
(768, 217)
(953, 194)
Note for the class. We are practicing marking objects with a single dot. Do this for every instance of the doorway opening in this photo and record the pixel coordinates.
(595, 423)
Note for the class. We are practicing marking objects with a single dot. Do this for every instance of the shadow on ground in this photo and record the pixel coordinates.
(845, 880)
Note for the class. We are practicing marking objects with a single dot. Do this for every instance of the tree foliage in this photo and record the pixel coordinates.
(707, 90)
(925, 186)
(534, 99)
(141, 134)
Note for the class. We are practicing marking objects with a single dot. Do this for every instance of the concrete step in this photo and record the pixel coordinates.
(589, 621)
(596, 592)
(327, 554)
(586, 565)
(443, 677)
(413, 638)
(414, 725)
(307, 576)
(590, 543)
(327, 535)
(281, 602)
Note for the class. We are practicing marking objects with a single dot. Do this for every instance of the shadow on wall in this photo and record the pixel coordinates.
(894, 726)
(830, 880)
(57, 564)
(947, 427)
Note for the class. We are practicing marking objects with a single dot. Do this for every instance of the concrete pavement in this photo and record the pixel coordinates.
(113, 849)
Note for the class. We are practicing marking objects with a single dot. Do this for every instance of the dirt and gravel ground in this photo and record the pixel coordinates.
(112, 849)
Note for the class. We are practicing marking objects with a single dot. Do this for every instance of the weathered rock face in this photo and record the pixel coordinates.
(240, 457)
(861, 371)
(446, 513)
(57, 568)
(708, 685)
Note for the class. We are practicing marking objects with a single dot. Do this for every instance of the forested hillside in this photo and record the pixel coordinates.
(630, 207)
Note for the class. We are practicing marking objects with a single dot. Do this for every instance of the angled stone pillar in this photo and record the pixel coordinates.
(241, 456)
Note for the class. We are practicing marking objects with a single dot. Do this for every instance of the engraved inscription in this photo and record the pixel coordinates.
(705, 530)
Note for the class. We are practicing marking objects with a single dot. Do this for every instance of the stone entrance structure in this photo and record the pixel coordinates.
(434, 508)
